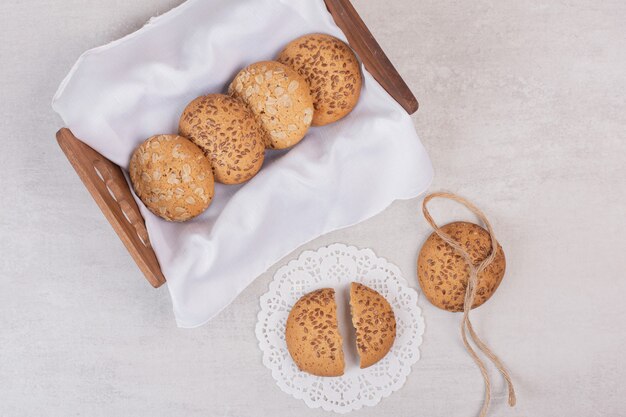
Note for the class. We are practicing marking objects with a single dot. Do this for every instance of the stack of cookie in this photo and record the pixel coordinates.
(316, 80)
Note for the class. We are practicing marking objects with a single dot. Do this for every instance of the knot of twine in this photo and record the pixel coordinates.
(470, 293)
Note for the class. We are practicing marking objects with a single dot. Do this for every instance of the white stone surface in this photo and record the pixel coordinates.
(522, 110)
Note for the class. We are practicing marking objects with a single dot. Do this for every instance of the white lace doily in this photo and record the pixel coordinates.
(336, 266)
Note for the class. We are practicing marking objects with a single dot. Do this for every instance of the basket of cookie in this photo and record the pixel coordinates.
(270, 104)
(226, 134)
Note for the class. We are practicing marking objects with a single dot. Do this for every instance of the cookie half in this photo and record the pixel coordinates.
(228, 133)
(280, 99)
(172, 177)
(374, 322)
(332, 71)
(312, 334)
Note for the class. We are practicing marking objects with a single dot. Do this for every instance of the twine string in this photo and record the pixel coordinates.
(470, 293)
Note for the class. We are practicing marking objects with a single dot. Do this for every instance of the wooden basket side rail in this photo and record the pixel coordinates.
(370, 52)
(108, 187)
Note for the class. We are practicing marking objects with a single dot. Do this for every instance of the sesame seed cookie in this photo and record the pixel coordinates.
(280, 99)
(172, 177)
(443, 273)
(374, 322)
(312, 334)
(228, 133)
(332, 70)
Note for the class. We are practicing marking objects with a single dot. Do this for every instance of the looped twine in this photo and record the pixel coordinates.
(470, 293)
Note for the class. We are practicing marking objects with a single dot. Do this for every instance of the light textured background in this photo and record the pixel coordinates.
(522, 110)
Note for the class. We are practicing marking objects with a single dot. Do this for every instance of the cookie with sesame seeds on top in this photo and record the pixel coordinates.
(312, 334)
(443, 274)
(228, 133)
(374, 322)
(332, 71)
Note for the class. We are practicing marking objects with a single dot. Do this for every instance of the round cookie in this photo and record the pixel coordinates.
(172, 177)
(332, 70)
(443, 274)
(374, 322)
(312, 334)
(226, 130)
(280, 99)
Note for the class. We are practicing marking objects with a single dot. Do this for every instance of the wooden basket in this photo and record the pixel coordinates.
(108, 187)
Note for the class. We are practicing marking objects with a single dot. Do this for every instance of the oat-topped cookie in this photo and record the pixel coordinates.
(332, 71)
(228, 133)
(172, 177)
(280, 99)
(312, 335)
(374, 321)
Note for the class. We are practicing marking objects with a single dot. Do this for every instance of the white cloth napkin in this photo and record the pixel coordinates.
(119, 94)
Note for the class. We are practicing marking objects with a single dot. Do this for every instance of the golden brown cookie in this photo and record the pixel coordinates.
(332, 70)
(312, 335)
(172, 177)
(443, 274)
(280, 99)
(228, 133)
(374, 322)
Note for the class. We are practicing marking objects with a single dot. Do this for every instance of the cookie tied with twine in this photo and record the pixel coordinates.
(443, 273)
(458, 269)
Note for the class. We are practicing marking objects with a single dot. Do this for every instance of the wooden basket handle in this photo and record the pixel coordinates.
(108, 187)
(370, 52)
